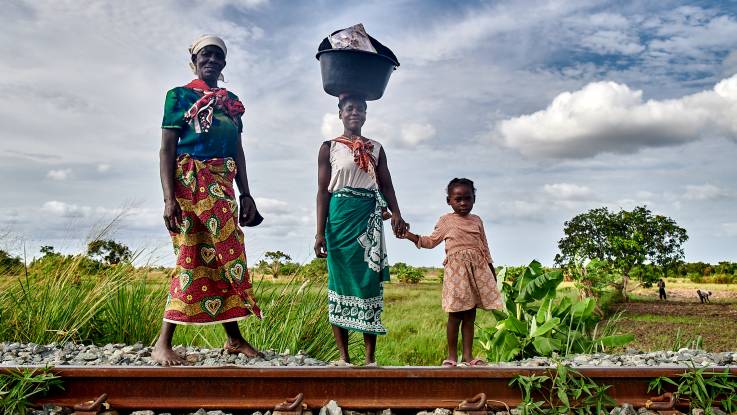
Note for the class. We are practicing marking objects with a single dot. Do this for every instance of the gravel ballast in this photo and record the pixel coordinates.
(70, 354)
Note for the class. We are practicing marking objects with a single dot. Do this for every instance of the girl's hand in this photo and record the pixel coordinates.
(172, 215)
(321, 249)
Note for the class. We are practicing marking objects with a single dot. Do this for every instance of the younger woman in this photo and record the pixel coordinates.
(470, 279)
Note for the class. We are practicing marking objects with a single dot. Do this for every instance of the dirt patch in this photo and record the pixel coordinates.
(679, 308)
(689, 294)
(670, 325)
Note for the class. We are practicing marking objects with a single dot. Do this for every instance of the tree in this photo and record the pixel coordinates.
(316, 270)
(624, 240)
(406, 273)
(48, 250)
(9, 264)
(108, 251)
(276, 258)
(668, 243)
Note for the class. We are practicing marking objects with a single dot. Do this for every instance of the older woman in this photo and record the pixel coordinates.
(354, 189)
(201, 154)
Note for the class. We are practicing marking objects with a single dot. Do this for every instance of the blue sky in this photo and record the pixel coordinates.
(552, 107)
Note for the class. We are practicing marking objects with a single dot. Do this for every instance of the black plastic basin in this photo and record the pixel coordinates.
(355, 72)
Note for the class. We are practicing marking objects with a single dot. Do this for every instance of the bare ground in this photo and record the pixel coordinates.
(678, 322)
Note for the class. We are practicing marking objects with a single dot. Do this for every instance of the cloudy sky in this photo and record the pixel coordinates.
(551, 107)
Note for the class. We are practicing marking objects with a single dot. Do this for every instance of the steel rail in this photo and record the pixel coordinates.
(353, 388)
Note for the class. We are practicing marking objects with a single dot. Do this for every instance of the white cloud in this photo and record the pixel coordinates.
(331, 126)
(567, 191)
(704, 192)
(608, 117)
(65, 210)
(103, 168)
(59, 175)
(415, 133)
(272, 205)
(729, 229)
(514, 211)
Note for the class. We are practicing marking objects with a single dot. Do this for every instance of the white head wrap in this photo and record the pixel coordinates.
(201, 42)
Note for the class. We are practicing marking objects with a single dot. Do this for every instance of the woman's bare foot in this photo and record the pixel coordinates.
(241, 346)
(166, 356)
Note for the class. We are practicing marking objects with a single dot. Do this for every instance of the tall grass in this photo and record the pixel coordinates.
(131, 314)
(57, 304)
(294, 318)
(61, 301)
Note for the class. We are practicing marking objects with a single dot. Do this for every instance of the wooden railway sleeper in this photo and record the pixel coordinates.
(291, 406)
(92, 407)
(473, 406)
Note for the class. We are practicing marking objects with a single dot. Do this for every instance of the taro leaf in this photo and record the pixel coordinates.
(563, 307)
(584, 308)
(542, 312)
(541, 286)
(543, 346)
(508, 347)
(500, 277)
(549, 325)
(513, 325)
(499, 315)
(616, 340)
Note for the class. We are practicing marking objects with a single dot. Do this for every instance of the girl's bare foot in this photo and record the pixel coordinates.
(165, 356)
(241, 346)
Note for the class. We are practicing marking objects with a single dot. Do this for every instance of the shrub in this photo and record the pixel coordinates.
(315, 270)
(10, 265)
(406, 273)
(723, 279)
(694, 277)
(536, 322)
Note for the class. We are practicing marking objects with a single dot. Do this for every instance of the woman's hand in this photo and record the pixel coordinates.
(399, 226)
(172, 215)
(321, 249)
(247, 211)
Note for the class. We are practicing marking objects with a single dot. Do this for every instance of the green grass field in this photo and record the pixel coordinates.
(57, 306)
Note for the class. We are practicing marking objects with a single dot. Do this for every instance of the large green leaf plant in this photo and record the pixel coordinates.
(537, 321)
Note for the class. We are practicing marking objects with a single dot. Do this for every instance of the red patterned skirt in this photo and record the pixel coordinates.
(210, 282)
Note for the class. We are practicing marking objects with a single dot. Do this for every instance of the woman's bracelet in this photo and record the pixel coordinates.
(243, 195)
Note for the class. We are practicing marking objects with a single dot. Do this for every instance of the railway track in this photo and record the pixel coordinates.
(239, 388)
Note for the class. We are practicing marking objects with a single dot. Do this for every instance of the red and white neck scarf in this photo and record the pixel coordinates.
(363, 153)
(200, 113)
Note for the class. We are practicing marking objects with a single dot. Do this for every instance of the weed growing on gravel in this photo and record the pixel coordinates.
(18, 387)
(562, 391)
(703, 389)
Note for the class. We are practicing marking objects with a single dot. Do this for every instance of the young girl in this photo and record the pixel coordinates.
(470, 279)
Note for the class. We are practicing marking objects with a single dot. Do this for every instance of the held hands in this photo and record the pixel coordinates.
(399, 226)
(172, 216)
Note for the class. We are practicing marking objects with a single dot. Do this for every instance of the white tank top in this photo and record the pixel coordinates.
(344, 170)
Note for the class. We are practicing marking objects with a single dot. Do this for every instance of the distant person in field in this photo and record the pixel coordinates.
(201, 154)
(703, 296)
(661, 289)
(354, 190)
(470, 279)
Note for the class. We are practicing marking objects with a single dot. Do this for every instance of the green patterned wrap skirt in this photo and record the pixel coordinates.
(357, 263)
